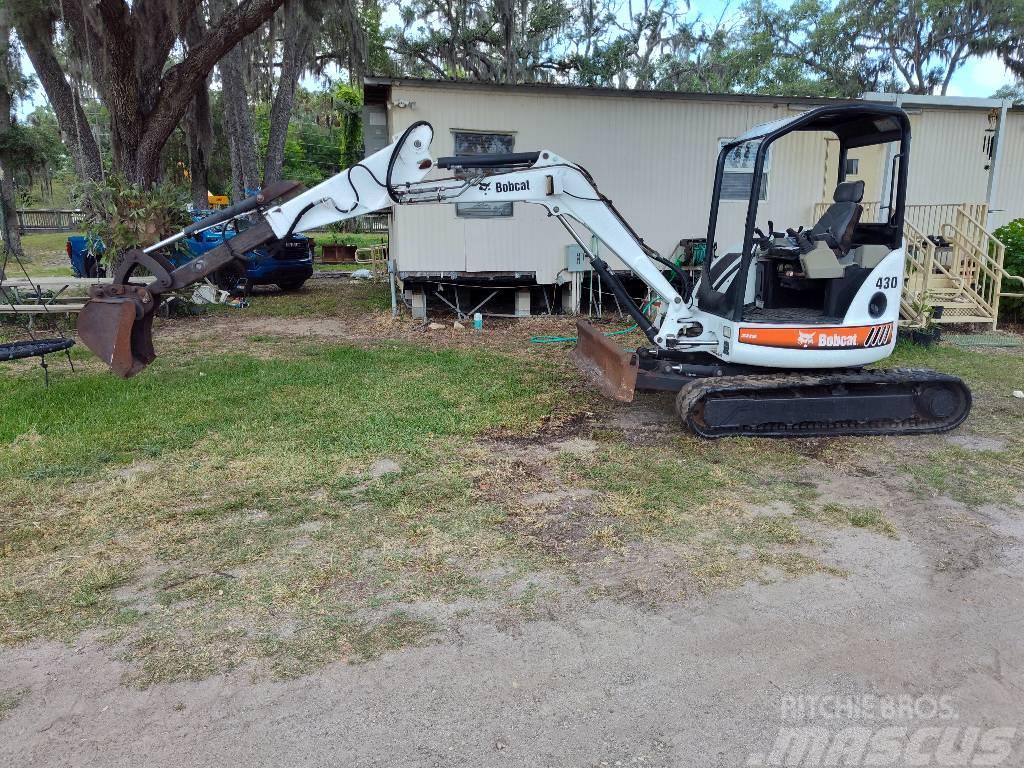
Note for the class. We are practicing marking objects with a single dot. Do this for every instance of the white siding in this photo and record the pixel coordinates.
(1009, 194)
(947, 158)
(655, 158)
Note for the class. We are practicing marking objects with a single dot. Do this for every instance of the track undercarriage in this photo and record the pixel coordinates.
(717, 399)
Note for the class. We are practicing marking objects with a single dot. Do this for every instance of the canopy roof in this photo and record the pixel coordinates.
(856, 125)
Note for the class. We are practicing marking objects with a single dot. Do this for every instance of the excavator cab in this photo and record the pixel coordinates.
(808, 272)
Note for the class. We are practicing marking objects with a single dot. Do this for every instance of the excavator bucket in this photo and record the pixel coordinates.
(117, 325)
(611, 368)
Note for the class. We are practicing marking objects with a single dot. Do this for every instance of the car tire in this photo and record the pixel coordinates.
(229, 277)
(292, 285)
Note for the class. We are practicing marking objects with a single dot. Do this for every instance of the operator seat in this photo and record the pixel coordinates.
(824, 246)
(837, 224)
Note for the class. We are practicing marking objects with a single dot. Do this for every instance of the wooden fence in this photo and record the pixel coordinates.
(49, 221)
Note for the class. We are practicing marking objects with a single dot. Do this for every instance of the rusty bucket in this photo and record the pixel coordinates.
(612, 369)
(117, 325)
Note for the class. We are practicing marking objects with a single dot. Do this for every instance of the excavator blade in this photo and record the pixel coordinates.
(117, 325)
(611, 368)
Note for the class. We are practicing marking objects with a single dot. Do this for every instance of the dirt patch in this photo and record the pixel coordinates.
(648, 420)
(957, 538)
(556, 428)
(336, 313)
(977, 442)
(383, 467)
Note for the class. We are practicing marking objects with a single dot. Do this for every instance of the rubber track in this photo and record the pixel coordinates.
(691, 395)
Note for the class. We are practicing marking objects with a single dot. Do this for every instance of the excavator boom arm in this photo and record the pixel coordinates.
(395, 175)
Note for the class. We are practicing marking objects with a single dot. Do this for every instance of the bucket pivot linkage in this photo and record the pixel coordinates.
(116, 322)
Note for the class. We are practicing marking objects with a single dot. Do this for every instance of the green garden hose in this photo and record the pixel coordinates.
(572, 339)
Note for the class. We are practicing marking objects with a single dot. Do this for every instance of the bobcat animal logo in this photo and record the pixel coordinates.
(484, 186)
(805, 338)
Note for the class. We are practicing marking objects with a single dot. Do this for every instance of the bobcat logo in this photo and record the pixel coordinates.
(484, 186)
(805, 338)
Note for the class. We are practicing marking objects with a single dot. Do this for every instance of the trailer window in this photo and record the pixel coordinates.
(739, 171)
(481, 143)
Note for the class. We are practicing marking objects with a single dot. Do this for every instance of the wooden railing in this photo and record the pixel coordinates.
(928, 219)
(370, 224)
(980, 258)
(49, 220)
(964, 277)
(376, 256)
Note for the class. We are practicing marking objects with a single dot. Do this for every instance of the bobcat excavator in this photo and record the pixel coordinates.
(771, 339)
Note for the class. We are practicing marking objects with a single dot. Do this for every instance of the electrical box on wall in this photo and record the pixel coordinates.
(575, 259)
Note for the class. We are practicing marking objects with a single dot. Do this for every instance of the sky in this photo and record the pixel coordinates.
(982, 76)
(979, 78)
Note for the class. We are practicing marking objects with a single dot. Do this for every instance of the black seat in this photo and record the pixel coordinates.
(839, 221)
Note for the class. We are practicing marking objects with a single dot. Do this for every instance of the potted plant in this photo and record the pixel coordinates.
(928, 331)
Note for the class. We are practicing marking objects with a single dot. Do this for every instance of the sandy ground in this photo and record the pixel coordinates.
(934, 618)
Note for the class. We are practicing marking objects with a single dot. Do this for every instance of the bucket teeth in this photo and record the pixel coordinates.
(117, 325)
(612, 369)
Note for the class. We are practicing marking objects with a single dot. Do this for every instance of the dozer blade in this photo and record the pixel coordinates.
(611, 368)
(117, 325)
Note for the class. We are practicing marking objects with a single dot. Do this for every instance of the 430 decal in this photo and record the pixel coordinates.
(884, 283)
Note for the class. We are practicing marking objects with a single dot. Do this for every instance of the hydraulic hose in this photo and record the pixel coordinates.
(625, 300)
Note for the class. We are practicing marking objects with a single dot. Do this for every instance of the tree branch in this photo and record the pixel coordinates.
(179, 82)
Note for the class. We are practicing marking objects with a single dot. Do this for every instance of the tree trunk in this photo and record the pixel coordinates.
(127, 46)
(237, 185)
(298, 40)
(36, 37)
(8, 207)
(9, 211)
(199, 123)
(240, 128)
(199, 133)
(9, 72)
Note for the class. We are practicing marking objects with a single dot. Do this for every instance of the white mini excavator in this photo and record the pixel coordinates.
(769, 340)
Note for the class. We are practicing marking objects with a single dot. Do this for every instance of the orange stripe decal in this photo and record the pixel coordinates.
(836, 337)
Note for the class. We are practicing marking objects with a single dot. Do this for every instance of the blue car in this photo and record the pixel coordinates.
(285, 263)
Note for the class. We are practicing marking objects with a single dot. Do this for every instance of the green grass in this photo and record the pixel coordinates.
(340, 267)
(975, 477)
(220, 511)
(836, 514)
(359, 240)
(44, 255)
(321, 299)
(10, 700)
(333, 399)
(222, 508)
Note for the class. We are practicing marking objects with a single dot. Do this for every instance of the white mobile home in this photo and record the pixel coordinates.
(654, 154)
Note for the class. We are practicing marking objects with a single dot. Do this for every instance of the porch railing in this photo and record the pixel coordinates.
(982, 256)
(952, 261)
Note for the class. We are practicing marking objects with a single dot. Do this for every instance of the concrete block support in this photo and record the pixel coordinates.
(419, 304)
(522, 302)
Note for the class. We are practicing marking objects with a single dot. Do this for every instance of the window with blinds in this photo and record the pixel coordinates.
(739, 171)
(479, 143)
